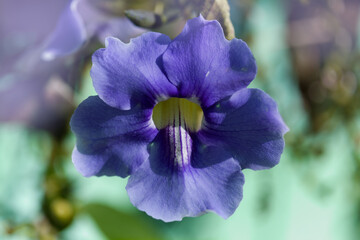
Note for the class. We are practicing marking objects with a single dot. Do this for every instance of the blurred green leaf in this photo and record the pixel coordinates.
(117, 225)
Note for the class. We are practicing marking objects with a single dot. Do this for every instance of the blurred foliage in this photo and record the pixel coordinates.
(119, 225)
(165, 12)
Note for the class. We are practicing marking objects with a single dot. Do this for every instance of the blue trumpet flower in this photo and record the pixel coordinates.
(177, 117)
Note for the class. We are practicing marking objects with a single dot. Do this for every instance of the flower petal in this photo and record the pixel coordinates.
(212, 181)
(69, 34)
(203, 64)
(248, 125)
(125, 75)
(110, 141)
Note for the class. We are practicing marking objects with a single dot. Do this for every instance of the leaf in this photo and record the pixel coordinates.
(117, 225)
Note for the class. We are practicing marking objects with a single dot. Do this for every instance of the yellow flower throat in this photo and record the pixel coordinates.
(178, 112)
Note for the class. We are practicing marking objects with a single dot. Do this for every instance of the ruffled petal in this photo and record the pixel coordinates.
(69, 34)
(204, 65)
(249, 126)
(125, 75)
(211, 181)
(110, 141)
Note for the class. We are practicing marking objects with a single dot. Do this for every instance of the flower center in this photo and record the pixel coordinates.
(176, 118)
(178, 112)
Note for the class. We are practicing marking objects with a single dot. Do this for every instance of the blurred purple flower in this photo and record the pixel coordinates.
(177, 117)
(82, 21)
(40, 66)
(27, 95)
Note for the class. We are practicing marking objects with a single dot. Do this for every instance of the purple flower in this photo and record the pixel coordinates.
(33, 92)
(84, 21)
(43, 47)
(177, 117)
